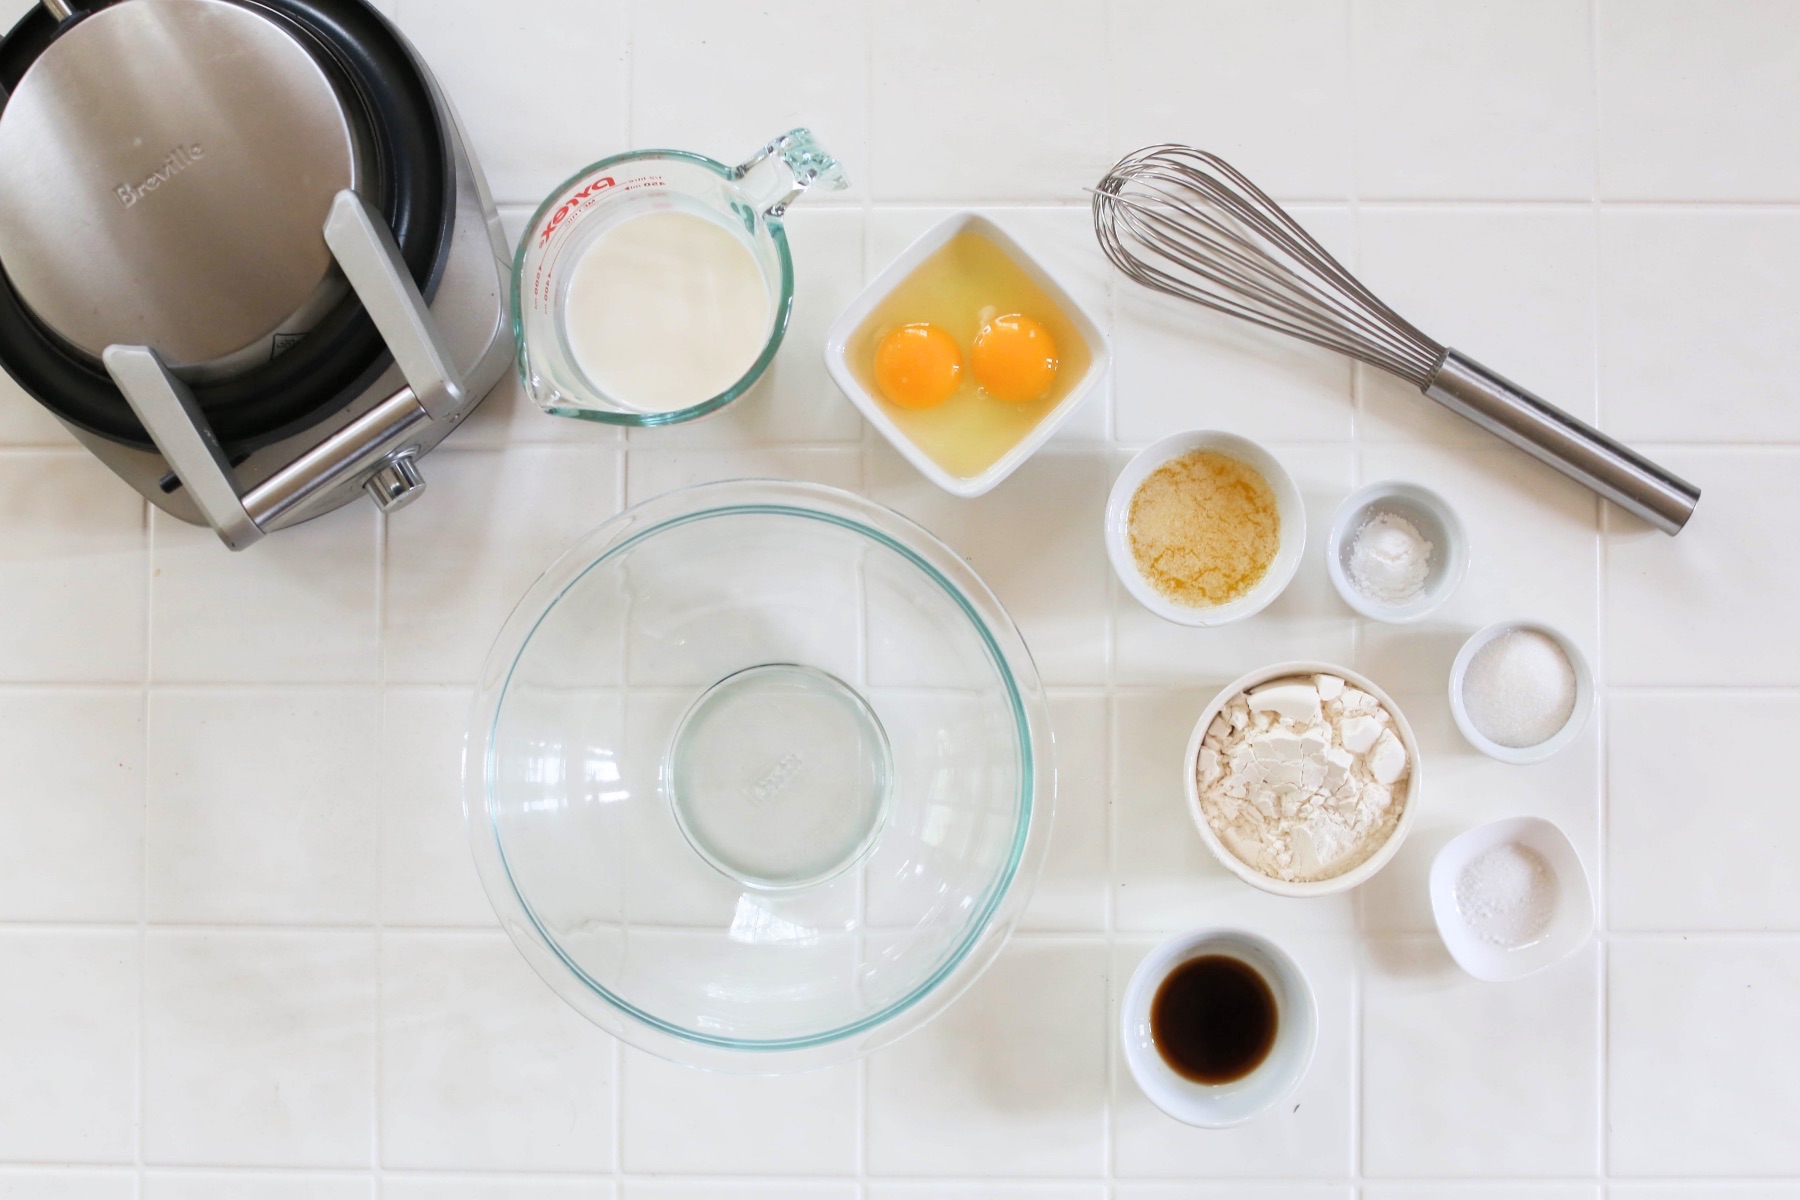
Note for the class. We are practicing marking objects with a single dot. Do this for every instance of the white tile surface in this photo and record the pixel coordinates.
(981, 103)
(508, 517)
(1232, 1191)
(181, 1185)
(484, 1068)
(1512, 288)
(301, 609)
(427, 872)
(1701, 1075)
(1726, 583)
(71, 571)
(509, 417)
(1703, 1191)
(683, 1121)
(1071, 892)
(262, 806)
(1012, 1080)
(1167, 880)
(1452, 152)
(72, 840)
(646, 1189)
(939, 1190)
(67, 1185)
(1055, 584)
(1182, 73)
(1689, 92)
(1308, 620)
(1486, 100)
(1696, 308)
(1462, 788)
(702, 73)
(515, 70)
(653, 472)
(1178, 366)
(1483, 1191)
(1696, 833)
(1533, 554)
(259, 1048)
(403, 1187)
(69, 1039)
(1307, 1136)
(1474, 1080)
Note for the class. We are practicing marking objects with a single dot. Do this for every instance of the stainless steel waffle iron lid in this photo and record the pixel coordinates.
(223, 229)
(165, 170)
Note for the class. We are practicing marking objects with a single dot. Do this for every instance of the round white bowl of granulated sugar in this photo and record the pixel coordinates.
(1353, 759)
(1520, 691)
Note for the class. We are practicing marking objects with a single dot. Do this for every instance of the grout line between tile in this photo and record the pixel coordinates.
(865, 468)
(142, 1066)
(1603, 524)
(1358, 440)
(1071, 936)
(1109, 1038)
(378, 1043)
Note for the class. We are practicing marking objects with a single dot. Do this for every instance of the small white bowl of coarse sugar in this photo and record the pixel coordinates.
(1397, 551)
(1511, 898)
(1520, 691)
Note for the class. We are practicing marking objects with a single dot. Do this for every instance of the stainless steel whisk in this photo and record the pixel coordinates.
(1187, 223)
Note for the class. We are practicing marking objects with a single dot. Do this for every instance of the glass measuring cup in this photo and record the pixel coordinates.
(748, 201)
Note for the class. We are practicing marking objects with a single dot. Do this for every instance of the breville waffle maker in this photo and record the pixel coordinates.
(246, 255)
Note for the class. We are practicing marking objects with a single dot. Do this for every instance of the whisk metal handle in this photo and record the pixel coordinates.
(1552, 436)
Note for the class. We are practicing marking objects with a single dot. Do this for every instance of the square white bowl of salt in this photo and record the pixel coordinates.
(1511, 898)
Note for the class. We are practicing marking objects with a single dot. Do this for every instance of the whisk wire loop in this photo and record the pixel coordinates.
(1185, 222)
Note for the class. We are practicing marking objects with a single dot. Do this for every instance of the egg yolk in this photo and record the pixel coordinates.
(1014, 359)
(918, 366)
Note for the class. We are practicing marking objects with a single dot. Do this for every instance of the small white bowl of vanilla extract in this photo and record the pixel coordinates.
(1218, 1026)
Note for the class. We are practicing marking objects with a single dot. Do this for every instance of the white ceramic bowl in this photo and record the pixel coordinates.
(838, 339)
(1217, 1106)
(1578, 717)
(1287, 502)
(1568, 928)
(1435, 520)
(1243, 870)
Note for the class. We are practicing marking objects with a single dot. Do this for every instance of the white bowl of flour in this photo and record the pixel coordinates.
(1303, 778)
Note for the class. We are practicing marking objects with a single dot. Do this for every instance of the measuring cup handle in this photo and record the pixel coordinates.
(777, 174)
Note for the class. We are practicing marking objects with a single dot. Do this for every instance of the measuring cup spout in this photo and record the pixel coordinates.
(776, 175)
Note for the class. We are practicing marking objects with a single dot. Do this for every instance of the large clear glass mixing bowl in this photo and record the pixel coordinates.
(759, 776)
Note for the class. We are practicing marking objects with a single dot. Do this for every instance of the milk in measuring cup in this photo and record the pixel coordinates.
(665, 311)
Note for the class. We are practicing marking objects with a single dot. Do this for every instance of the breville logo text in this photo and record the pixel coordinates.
(179, 160)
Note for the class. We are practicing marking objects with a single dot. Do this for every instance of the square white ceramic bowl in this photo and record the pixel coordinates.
(838, 340)
(1569, 927)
